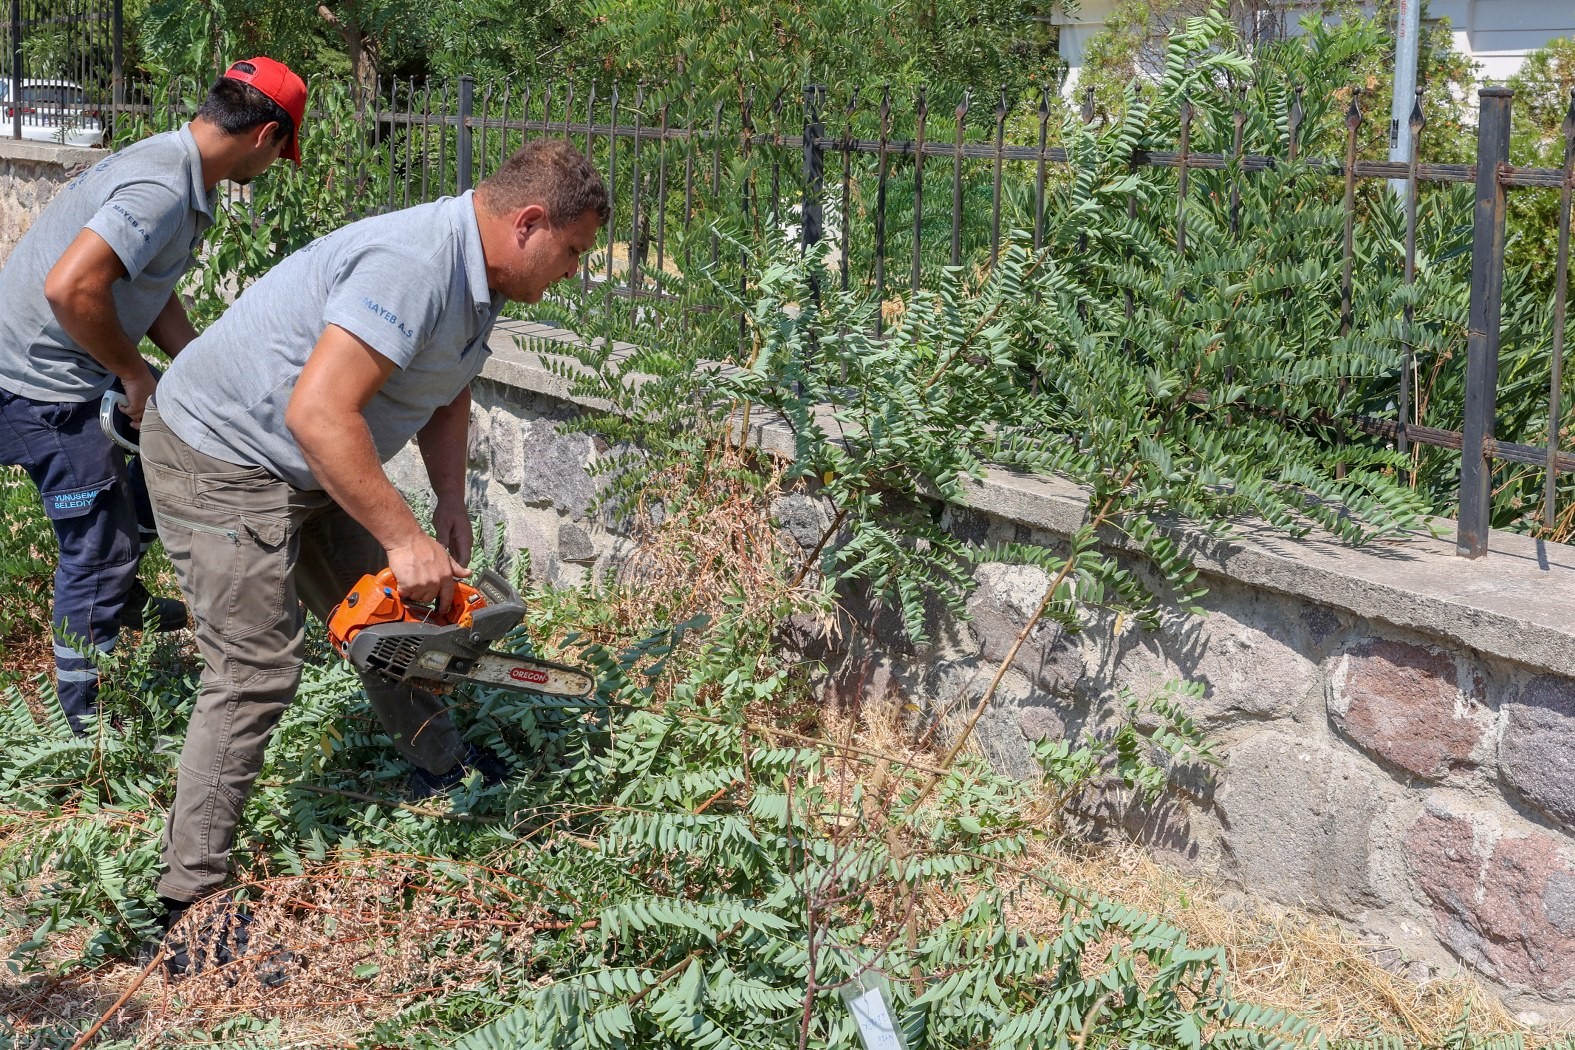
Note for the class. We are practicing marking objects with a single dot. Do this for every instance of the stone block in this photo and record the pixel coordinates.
(575, 544)
(999, 732)
(407, 473)
(1417, 708)
(877, 618)
(1039, 722)
(1500, 896)
(1173, 827)
(812, 638)
(1007, 595)
(801, 517)
(478, 439)
(525, 532)
(1018, 714)
(1249, 673)
(1300, 822)
(866, 675)
(544, 466)
(1537, 755)
(504, 444)
(554, 468)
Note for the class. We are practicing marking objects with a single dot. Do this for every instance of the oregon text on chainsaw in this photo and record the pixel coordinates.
(379, 633)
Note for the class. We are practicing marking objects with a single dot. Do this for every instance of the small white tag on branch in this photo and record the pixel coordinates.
(866, 999)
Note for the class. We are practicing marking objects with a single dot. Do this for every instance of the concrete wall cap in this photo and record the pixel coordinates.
(1517, 603)
(69, 158)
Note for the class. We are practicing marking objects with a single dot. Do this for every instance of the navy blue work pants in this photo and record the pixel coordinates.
(98, 505)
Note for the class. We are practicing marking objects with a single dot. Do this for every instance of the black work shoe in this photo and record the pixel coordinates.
(220, 939)
(483, 760)
(169, 614)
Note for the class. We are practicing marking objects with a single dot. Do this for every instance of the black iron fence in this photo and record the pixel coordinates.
(62, 61)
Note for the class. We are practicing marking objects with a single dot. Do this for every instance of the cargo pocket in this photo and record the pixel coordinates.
(95, 527)
(233, 565)
(73, 502)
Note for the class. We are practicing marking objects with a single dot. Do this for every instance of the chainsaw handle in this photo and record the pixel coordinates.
(495, 588)
(489, 589)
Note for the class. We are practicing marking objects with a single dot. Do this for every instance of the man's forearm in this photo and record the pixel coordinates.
(80, 291)
(172, 329)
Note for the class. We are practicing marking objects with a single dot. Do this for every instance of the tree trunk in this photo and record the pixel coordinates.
(361, 49)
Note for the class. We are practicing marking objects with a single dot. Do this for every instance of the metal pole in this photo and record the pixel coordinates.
(1560, 300)
(1408, 25)
(16, 69)
(467, 104)
(1487, 289)
(1408, 353)
(814, 167)
(117, 61)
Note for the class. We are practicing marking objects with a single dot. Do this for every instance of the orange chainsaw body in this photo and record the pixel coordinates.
(382, 634)
(375, 600)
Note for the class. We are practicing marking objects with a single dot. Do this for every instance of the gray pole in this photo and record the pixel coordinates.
(1408, 27)
(1487, 287)
(16, 69)
(464, 175)
(117, 70)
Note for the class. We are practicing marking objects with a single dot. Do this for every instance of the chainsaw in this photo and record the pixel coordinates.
(381, 633)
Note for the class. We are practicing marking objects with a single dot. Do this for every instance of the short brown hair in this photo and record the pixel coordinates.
(551, 173)
(234, 107)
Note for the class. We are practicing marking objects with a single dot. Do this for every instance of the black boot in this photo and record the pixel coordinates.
(218, 939)
(484, 760)
(169, 614)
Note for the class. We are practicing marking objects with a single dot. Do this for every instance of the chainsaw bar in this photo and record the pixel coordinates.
(415, 652)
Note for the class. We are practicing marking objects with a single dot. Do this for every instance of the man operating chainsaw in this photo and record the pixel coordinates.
(264, 449)
(95, 273)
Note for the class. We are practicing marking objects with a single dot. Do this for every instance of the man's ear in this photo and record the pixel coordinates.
(528, 219)
(264, 135)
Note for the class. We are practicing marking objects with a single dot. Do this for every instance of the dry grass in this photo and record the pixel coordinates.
(356, 940)
(711, 543)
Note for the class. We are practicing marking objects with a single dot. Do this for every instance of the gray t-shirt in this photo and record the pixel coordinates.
(412, 284)
(148, 203)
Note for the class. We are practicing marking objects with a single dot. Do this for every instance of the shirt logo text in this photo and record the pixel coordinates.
(389, 316)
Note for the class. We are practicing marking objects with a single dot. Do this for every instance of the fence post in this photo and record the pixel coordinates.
(1487, 288)
(813, 214)
(117, 66)
(16, 69)
(467, 105)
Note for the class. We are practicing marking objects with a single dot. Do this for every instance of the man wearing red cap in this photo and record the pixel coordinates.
(95, 273)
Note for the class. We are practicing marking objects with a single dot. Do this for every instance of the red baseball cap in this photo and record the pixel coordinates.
(278, 82)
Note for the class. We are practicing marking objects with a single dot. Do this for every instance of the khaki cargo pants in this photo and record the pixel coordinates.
(249, 549)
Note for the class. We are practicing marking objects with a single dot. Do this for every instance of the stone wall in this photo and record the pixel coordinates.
(1397, 725)
(30, 175)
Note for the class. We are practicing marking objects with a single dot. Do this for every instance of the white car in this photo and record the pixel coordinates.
(52, 111)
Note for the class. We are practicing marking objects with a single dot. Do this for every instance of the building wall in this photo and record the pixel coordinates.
(1496, 34)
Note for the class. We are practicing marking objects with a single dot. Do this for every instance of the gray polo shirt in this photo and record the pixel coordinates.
(412, 284)
(148, 203)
